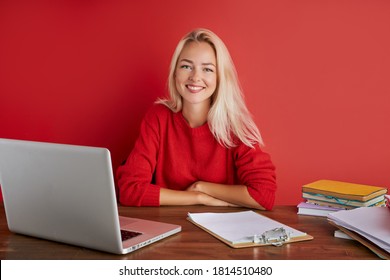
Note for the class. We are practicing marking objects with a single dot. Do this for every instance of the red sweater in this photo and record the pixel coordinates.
(170, 154)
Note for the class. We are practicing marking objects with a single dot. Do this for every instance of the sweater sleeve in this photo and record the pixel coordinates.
(256, 171)
(135, 176)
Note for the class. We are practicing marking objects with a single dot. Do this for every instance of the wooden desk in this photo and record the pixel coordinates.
(194, 243)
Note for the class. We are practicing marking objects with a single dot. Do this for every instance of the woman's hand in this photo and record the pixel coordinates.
(209, 194)
(195, 187)
(206, 199)
(224, 195)
(189, 197)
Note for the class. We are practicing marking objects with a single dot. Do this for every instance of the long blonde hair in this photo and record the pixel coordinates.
(228, 113)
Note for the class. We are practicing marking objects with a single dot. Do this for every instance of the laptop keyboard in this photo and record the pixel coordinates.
(126, 235)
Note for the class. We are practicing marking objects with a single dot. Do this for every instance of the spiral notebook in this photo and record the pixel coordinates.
(246, 229)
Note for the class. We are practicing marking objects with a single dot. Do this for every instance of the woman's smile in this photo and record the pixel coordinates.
(194, 88)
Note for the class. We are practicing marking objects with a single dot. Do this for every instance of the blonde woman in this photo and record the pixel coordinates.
(200, 145)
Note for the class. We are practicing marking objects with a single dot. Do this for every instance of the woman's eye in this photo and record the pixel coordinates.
(185, 67)
(208, 70)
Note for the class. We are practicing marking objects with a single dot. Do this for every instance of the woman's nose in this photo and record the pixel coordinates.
(194, 76)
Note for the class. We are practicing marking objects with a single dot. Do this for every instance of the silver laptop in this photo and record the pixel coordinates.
(66, 193)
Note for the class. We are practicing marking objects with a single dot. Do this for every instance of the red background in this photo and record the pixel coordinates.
(315, 75)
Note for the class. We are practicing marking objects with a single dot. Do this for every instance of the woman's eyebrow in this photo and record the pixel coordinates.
(209, 64)
(190, 61)
(186, 60)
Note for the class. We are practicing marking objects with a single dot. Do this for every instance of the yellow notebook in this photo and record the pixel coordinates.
(344, 190)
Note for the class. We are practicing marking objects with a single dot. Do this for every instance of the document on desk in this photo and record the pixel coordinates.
(373, 223)
(240, 229)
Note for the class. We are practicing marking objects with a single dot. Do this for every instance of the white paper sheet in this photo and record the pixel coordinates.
(239, 227)
(371, 222)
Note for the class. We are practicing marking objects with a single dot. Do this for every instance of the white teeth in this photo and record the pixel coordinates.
(194, 88)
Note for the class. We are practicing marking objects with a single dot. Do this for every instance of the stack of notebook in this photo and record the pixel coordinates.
(326, 196)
